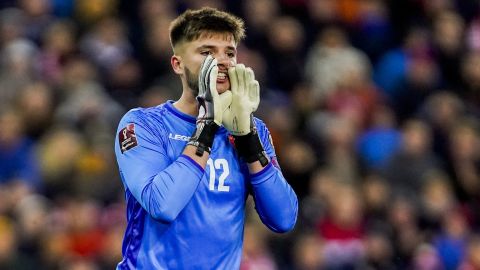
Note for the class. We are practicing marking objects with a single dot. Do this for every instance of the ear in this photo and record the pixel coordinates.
(177, 65)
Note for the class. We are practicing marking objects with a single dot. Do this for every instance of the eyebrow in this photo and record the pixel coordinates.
(213, 47)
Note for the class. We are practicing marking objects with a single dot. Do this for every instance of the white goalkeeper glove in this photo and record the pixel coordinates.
(211, 106)
(238, 117)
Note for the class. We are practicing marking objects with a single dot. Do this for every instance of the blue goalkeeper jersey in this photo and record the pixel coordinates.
(180, 216)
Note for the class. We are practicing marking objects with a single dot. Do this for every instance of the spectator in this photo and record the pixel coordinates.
(335, 136)
(332, 59)
(342, 229)
(107, 44)
(57, 46)
(463, 162)
(408, 166)
(451, 244)
(442, 110)
(376, 194)
(406, 235)
(37, 19)
(391, 71)
(437, 198)
(18, 163)
(472, 260)
(471, 81)
(259, 14)
(284, 57)
(314, 205)
(10, 257)
(426, 258)
(308, 252)
(255, 252)
(37, 102)
(17, 68)
(449, 45)
(377, 144)
(379, 251)
(85, 103)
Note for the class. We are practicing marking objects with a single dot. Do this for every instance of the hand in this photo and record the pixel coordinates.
(210, 106)
(238, 117)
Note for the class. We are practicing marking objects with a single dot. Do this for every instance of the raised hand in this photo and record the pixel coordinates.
(211, 106)
(238, 117)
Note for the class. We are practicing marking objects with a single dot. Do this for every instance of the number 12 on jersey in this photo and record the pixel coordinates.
(221, 166)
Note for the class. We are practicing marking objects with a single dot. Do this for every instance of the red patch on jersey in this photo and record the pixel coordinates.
(275, 163)
(127, 138)
(231, 139)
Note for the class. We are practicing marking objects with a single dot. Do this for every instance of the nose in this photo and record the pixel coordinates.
(224, 62)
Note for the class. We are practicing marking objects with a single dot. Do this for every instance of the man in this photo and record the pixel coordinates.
(188, 166)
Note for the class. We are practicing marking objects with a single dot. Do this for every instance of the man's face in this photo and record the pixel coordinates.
(221, 46)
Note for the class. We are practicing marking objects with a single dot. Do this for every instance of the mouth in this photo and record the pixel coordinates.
(222, 77)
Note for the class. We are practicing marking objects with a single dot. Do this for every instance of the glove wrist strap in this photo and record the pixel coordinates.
(250, 148)
(203, 137)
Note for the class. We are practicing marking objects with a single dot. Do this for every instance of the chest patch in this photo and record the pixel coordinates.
(127, 138)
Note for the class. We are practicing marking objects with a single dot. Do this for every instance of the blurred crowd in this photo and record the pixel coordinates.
(373, 106)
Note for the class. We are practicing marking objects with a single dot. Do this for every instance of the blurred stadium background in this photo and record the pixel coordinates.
(373, 106)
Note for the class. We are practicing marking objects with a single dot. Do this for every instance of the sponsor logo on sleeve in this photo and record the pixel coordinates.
(127, 138)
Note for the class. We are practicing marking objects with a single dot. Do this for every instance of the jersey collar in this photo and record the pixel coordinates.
(176, 112)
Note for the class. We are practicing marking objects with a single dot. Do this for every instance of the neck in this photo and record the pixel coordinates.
(187, 103)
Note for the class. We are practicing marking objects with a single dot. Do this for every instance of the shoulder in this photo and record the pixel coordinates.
(262, 130)
(149, 119)
(265, 136)
(132, 116)
(260, 125)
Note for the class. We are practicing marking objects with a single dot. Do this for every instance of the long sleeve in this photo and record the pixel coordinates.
(275, 201)
(163, 187)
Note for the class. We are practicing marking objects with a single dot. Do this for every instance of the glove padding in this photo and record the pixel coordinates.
(237, 118)
(210, 106)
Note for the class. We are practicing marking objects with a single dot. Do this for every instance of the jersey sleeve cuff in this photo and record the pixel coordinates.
(263, 175)
(196, 165)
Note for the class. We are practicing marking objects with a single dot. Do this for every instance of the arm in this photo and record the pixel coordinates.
(275, 201)
(162, 187)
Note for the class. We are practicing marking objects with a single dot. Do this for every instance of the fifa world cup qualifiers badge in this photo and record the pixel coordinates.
(127, 138)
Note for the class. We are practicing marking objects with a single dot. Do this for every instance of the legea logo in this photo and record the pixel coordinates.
(178, 137)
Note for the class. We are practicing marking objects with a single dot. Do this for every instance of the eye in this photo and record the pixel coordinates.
(231, 54)
(205, 53)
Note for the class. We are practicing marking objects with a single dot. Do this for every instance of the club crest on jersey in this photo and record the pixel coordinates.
(231, 139)
(127, 138)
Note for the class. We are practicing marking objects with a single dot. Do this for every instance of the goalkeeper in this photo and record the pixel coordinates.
(188, 166)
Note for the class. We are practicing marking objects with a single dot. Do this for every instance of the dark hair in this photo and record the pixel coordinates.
(192, 23)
